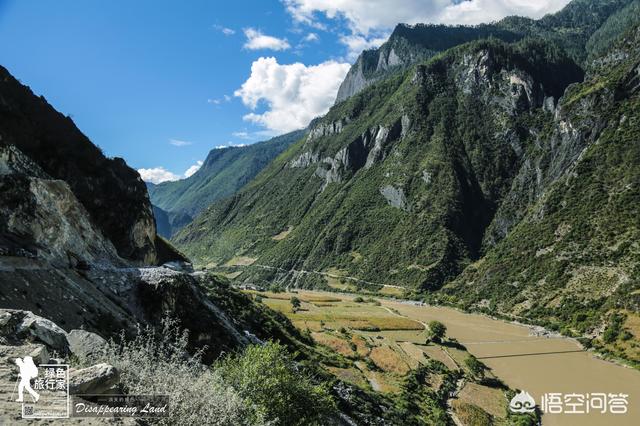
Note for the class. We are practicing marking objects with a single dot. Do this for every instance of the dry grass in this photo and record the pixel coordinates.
(633, 324)
(391, 291)
(491, 400)
(335, 343)
(458, 355)
(282, 235)
(414, 352)
(383, 382)
(362, 348)
(336, 313)
(632, 346)
(339, 285)
(470, 414)
(435, 352)
(389, 360)
(241, 261)
(349, 375)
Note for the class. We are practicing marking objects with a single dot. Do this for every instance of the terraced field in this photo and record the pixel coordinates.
(384, 339)
(381, 347)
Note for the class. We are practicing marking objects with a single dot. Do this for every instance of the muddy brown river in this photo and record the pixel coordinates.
(539, 365)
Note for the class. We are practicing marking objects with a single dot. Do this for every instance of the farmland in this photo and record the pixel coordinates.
(381, 342)
(380, 347)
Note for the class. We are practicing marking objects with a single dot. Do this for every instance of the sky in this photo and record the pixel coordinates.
(162, 82)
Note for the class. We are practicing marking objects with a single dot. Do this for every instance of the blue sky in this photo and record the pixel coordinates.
(160, 83)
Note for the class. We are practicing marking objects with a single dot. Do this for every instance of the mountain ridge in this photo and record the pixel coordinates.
(224, 171)
(571, 27)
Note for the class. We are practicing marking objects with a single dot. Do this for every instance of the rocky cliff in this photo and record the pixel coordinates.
(112, 194)
(582, 27)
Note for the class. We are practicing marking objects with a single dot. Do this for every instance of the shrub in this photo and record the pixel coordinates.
(437, 331)
(158, 363)
(295, 303)
(268, 378)
(358, 299)
(475, 367)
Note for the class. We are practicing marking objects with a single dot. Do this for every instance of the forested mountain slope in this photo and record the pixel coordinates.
(582, 28)
(224, 172)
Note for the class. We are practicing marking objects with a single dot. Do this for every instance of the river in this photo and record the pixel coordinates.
(537, 364)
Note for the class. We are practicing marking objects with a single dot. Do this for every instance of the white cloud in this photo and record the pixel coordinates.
(368, 20)
(293, 94)
(256, 40)
(178, 142)
(160, 174)
(224, 30)
(191, 170)
(242, 135)
(366, 15)
(157, 175)
(357, 43)
(218, 101)
(311, 37)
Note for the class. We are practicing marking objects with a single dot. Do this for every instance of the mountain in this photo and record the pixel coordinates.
(71, 277)
(225, 171)
(562, 249)
(496, 176)
(409, 44)
(74, 225)
(572, 28)
(383, 187)
(113, 194)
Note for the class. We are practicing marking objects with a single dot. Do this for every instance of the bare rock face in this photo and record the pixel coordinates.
(94, 380)
(112, 194)
(85, 344)
(20, 325)
(368, 149)
(395, 197)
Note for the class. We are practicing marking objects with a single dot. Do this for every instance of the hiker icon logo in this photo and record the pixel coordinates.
(522, 403)
(28, 371)
(47, 386)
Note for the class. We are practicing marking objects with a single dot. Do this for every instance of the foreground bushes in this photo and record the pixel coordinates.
(267, 378)
(258, 386)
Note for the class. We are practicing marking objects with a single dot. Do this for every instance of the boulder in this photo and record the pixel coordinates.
(94, 380)
(40, 355)
(45, 331)
(85, 344)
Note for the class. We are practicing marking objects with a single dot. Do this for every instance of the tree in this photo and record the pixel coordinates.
(295, 303)
(281, 391)
(475, 367)
(437, 331)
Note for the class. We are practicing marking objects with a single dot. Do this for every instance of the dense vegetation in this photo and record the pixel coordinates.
(225, 171)
(583, 29)
(498, 176)
(259, 385)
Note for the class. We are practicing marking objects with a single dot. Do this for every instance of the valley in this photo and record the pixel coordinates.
(391, 334)
(448, 236)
